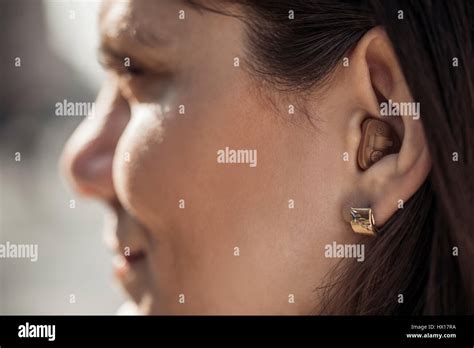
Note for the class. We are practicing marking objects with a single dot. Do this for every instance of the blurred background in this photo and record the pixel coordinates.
(56, 41)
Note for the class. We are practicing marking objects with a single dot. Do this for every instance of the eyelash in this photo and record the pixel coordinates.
(121, 70)
(135, 80)
(129, 71)
(135, 71)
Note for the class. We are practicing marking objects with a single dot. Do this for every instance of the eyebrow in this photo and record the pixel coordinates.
(130, 38)
(132, 43)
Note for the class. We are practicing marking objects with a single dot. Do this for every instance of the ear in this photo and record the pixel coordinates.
(381, 92)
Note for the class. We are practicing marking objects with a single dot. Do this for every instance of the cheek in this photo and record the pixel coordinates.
(162, 162)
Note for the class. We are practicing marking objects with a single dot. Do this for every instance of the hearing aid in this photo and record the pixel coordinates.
(378, 139)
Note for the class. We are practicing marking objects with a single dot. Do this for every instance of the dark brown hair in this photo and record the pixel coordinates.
(415, 255)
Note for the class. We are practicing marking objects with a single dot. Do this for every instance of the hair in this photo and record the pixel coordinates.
(425, 251)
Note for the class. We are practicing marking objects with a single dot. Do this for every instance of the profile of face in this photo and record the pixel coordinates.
(199, 226)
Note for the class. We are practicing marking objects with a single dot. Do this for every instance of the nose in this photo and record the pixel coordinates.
(88, 155)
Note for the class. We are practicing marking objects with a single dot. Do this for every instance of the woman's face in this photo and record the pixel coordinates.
(232, 238)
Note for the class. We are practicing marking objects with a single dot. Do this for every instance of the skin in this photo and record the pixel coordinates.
(140, 156)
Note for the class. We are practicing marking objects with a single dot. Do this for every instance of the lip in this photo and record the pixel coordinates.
(132, 274)
(135, 257)
(124, 266)
(127, 240)
(124, 236)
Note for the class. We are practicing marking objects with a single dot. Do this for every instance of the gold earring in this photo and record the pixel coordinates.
(363, 221)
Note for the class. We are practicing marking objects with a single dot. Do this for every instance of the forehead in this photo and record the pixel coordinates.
(147, 21)
(152, 33)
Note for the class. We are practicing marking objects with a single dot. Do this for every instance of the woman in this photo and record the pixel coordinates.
(285, 157)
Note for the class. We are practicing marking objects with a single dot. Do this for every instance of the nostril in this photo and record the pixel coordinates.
(92, 167)
(91, 174)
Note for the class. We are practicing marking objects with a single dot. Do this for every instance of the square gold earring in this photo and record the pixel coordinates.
(363, 221)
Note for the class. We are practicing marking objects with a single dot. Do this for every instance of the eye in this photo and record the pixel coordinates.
(121, 67)
(130, 71)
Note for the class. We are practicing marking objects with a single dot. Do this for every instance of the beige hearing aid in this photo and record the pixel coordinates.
(377, 140)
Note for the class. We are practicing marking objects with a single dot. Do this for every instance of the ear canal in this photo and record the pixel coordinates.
(377, 140)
